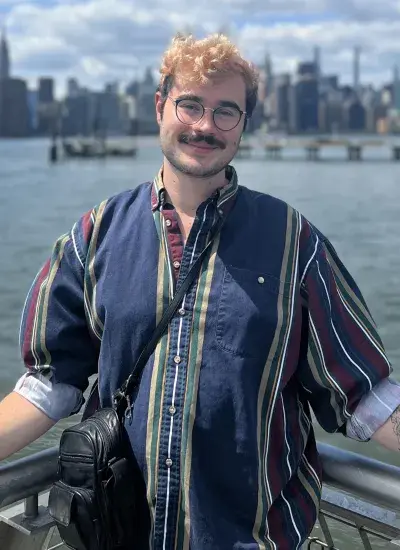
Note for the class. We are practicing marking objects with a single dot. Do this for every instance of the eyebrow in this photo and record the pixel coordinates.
(222, 103)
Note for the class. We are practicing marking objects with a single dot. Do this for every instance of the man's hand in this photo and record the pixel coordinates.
(388, 435)
(20, 424)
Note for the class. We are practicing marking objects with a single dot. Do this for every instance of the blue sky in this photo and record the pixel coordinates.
(104, 40)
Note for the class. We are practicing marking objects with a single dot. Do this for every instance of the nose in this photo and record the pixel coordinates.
(206, 123)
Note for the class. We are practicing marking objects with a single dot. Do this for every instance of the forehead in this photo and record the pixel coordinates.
(227, 88)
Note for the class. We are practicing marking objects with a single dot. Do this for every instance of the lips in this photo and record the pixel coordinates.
(202, 146)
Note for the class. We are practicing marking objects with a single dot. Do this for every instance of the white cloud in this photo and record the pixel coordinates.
(102, 40)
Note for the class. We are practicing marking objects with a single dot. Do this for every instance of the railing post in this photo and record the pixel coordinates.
(32, 506)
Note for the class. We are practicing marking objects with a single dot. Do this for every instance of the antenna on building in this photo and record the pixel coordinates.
(395, 73)
(317, 61)
(4, 54)
(396, 88)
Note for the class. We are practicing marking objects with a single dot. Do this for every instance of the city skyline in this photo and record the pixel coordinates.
(97, 41)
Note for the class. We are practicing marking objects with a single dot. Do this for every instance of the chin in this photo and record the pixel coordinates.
(201, 159)
(201, 170)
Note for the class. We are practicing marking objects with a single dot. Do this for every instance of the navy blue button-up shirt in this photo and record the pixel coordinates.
(274, 327)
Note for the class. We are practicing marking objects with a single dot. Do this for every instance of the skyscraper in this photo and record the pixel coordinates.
(304, 100)
(4, 57)
(317, 61)
(396, 89)
(269, 75)
(46, 90)
(45, 106)
(283, 95)
(356, 69)
(14, 111)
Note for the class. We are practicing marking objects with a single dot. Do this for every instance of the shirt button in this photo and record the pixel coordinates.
(181, 312)
(261, 280)
(168, 223)
(177, 265)
(172, 410)
(168, 462)
(177, 359)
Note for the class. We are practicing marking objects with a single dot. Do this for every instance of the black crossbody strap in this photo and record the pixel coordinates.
(121, 398)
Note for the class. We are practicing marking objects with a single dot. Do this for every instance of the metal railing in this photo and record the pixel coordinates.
(359, 493)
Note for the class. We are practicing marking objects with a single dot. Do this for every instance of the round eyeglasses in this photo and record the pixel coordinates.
(190, 111)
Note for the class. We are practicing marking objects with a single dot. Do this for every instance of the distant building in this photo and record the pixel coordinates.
(382, 126)
(129, 115)
(354, 116)
(348, 93)
(265, 113)
(104, 114)
(77, 115)
(147, 120)
(304, 100)
(386, 96)
(14, 111)
(370, 101)
(72, 87)
(307, 68)
(317, 62)
(45, 107)
(269, 76)
(396, 89)
(46, 90)
(328, 84)
(256, 120)
(331, 116)
(282, 94)
(4, 58)
(108, 110)
(381, 112)
(32, 108)
(356, 69)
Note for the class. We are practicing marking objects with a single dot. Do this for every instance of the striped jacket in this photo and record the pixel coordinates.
(273, 328)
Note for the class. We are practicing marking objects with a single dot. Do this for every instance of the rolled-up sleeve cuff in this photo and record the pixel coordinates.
(374, 410)
(55, 400)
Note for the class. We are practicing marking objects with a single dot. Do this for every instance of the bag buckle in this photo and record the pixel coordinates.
(123, 406)
(128, 410)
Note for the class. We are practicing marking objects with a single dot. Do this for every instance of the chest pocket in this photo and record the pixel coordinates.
(248, 311)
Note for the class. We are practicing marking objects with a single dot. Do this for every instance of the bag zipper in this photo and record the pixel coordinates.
(72, 458)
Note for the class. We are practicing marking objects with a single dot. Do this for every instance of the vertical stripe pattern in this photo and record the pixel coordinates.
(274, 328)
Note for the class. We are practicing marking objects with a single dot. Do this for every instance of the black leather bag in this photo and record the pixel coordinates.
(99, 498)
(94, 500)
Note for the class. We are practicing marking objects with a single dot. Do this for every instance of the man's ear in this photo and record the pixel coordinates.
(159, 105)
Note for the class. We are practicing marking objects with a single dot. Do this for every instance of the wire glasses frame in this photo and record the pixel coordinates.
(191, 111)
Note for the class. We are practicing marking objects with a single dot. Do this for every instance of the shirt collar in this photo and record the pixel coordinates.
(222, 195)
(157, 192)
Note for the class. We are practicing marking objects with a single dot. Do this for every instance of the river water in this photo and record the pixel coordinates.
(357, 205)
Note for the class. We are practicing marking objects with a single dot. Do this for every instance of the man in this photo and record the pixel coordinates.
(274, 327)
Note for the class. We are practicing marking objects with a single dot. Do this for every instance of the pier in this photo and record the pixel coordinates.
(313, 149)
(360, 493)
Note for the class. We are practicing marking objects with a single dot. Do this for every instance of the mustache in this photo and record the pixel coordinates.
(196, 137)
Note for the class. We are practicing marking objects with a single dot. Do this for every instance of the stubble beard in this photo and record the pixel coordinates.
(172, 154)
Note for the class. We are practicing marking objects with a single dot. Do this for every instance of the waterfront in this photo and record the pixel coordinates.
(355, 205)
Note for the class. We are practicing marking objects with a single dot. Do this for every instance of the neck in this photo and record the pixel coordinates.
(187, 192)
